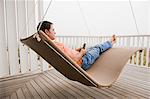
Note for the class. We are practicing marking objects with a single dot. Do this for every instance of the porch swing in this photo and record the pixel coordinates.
(101, 74)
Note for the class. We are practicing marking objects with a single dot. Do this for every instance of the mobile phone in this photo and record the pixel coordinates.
(83, 46)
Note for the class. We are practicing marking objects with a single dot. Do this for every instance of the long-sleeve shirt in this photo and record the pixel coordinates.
(73, 54)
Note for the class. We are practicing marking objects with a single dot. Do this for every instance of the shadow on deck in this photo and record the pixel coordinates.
(133, 83)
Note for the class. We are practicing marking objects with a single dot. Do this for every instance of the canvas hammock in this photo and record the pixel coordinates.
(104, 72)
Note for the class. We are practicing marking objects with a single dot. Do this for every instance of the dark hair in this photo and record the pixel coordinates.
(45, 25)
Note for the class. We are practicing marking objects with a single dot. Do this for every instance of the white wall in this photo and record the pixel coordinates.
(103, 17)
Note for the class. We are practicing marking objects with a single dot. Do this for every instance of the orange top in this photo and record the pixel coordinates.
(71, 53)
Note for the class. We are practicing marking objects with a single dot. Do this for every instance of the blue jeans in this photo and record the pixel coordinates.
(93, 53)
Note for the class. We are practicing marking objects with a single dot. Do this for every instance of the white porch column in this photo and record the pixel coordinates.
(22, 31)
(4, 68)
(34, 64)
(12, 36)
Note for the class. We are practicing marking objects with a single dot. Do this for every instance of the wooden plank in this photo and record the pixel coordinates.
(5, 97)
(9, 89)
(51, 87)
(45, 89)
(138, 76)
(136, 82)
(10, 77)
(39, 90)
(132, 88)
(128, 93)
(20, 94)
(63, 92)
(15, 81)
(80, 88)
(33, 91)
(65, 87)
(144, 91)
(14, 96)
(131, 91)
(115, 94)
(26, 92)
(104, 92)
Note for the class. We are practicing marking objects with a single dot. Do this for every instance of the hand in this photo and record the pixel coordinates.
(78, 49)
(83, 51)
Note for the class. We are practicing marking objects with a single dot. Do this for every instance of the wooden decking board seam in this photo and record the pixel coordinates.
(10, 89)
(131, 91)
(137, 72)
(126, 91)
(123, 93)
(129, 88)
(33, 91)
(60, 85)
(45, 89)
(114, 93)
(66, 87)
(26, 92)
(54, 86)
(14, 96)
(20, 94)
(137, 87)
(29, 91)
(146, 84)
(138, 69)
(72, 86)
(7, 97)
(64, 92)
(38, 89)
(14, 82)
(51, 88)
(136, 90)
(125, 86)
(143, 86)
(17, 77)
(75, 85)
(104, 92)
(71, 90)
(138, 76)
(64, 78)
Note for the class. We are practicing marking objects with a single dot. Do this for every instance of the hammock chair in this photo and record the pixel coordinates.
(104, 72)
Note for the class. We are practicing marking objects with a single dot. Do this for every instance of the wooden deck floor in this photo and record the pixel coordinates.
(134, 83)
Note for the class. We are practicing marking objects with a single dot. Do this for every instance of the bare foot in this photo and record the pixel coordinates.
(113, 39)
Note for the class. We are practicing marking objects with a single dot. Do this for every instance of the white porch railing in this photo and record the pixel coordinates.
(134, 41)
(139, 59)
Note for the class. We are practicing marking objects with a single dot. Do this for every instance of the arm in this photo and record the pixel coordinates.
(78, 57)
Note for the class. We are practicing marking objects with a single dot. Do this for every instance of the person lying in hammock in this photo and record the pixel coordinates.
(83, 57)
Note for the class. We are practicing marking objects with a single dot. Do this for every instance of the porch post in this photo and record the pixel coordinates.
(34, 64)
(11, 27)
(22, 33)
(4, 68)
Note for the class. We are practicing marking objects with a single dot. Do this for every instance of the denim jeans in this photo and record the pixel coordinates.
(93, 53)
